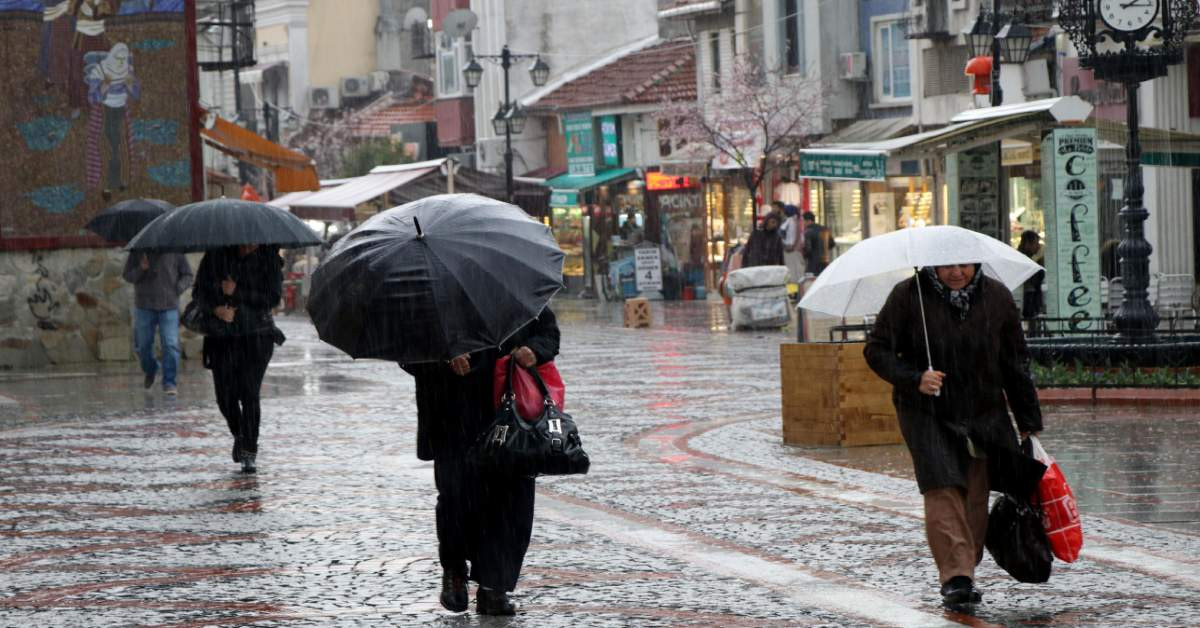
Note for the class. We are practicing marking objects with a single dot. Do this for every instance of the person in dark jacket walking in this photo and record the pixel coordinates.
(955, 420)
(158, 279)
(240, 286)
(817, 244)
(765, 245)
(483, 519)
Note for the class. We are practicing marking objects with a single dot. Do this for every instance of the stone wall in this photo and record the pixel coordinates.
(69, 306)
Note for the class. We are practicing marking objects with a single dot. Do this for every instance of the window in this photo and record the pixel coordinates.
(944, 70)
(452, 57)
(714, 53)
(892, 78)
(791, 25)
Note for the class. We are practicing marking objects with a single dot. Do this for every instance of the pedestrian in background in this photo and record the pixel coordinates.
(158, 280)
(793, 242)
(955, 420)
(765, 246)
(482, 519)
(818, 245)
(1032, 302)
(240, 286)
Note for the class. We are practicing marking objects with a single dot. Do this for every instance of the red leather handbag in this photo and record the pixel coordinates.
(528, 396)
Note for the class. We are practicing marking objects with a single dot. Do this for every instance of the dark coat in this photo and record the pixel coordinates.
(763, 248)
(987, 373)
(259, 278)
(453, 410)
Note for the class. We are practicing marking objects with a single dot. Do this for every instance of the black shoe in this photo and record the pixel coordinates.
(492, 602)
(237, 451)
(149, 381)
(454, 590)
(248, 462)
(960, 590)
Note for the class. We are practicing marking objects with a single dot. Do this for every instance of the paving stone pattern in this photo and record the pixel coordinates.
(120, 507)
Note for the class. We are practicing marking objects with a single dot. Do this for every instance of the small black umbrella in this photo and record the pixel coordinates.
(435, 278)
(223, 222)
(123, 221)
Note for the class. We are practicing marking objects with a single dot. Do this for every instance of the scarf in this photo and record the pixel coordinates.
(959, 300)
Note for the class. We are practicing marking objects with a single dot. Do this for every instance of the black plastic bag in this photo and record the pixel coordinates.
(1017, 541)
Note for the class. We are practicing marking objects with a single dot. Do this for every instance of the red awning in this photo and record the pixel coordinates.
(294, 171)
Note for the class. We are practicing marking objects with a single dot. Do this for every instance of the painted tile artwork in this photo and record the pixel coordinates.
(96, 105)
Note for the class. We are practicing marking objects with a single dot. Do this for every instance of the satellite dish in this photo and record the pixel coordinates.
(416, 16)
(459, 23)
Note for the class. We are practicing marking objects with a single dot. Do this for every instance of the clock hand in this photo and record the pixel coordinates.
(1135, 3)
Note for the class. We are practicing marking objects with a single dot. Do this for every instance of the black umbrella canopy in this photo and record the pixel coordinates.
(123, 221)
(224, 222)
(435, 278)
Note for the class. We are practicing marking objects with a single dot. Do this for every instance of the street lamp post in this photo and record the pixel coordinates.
(510, 117)
(1130, 42)
(1004, 39)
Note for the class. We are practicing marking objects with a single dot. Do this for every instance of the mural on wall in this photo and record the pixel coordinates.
(96, 106)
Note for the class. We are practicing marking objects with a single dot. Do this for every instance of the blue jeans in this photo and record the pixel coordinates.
(167, 322)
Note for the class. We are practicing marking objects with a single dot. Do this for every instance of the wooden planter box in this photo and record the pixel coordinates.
(831, 397)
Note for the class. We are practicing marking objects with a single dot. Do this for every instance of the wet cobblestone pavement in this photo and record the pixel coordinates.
(120, 507)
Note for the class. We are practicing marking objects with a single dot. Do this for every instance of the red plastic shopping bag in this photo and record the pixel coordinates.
(526, 391)
(1060, 516)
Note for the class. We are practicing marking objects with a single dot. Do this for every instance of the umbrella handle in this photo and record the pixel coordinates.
(924, 325)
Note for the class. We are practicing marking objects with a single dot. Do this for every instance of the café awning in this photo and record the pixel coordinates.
(565, 189)
(338, 203)
(294, 171)
(868, 161)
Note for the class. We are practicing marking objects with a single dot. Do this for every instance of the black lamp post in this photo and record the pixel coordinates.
(510, 117)
(1002, 38)
(1130, 41)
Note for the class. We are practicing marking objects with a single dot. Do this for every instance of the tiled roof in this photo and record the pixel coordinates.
(665, 71)
(380, 123)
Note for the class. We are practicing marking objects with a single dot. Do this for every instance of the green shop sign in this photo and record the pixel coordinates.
(564, 198)
(581, 153)
(859, 167)
(610, 142)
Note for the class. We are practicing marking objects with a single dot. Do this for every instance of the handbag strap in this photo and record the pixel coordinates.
(537, 377)
(509, 395)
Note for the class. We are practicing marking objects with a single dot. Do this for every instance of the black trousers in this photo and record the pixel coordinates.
(238, 364)
(484, 519)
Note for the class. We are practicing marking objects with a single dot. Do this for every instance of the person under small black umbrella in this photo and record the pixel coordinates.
(240, 286)
(482, 519)
(955, 419)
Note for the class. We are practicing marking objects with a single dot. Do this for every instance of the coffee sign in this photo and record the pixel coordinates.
(1072, 238)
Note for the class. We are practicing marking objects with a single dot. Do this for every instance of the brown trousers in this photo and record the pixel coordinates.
(956, 523)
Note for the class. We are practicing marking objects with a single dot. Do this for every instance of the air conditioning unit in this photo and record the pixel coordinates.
(378, 81)
(355, 86)
(323, 98)
(853, 66)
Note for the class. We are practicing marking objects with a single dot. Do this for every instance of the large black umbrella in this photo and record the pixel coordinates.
(223, 222)
(435, 278)
(124, 220)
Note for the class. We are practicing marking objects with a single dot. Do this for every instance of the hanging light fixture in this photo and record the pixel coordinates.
(473, 73)
(500, 121)
(979, 36)
(516, 118)
(539, 72)
(1015, 40)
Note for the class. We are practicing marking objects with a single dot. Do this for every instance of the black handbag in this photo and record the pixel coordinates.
(549, 445)
(201, 320)
(1017, 540)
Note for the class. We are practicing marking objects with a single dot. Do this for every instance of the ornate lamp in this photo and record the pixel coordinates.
(500, 121)
(1130, 41)
(539, 72)
(473, 73)
(1015, 39)
(979, 36)
(516, 118)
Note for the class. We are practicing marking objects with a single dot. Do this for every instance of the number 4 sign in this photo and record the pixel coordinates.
(648, 266)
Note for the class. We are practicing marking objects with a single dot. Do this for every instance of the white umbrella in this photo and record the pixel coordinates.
(859, 281)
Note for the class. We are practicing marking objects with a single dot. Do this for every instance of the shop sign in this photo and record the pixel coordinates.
(658, 182)
(866, 167)
(564, 198)
(581, 155)
(647, 263)
(1073, 230)
(609, 141)
(975, 190)
(1017, 155)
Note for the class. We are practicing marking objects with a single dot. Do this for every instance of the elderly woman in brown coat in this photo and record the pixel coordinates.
(955, 420)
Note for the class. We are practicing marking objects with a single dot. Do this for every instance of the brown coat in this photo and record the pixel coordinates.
(986, 365)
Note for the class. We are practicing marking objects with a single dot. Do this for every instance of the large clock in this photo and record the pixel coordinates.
(1128, 15)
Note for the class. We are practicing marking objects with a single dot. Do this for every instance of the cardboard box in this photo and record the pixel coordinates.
(831, 397)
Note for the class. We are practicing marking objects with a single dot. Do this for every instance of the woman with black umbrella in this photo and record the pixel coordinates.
(483, 519)
(240, 285)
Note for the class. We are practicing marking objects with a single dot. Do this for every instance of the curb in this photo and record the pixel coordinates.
(1121, 396)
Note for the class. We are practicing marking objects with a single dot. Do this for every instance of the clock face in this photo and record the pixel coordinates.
(1128, 15)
